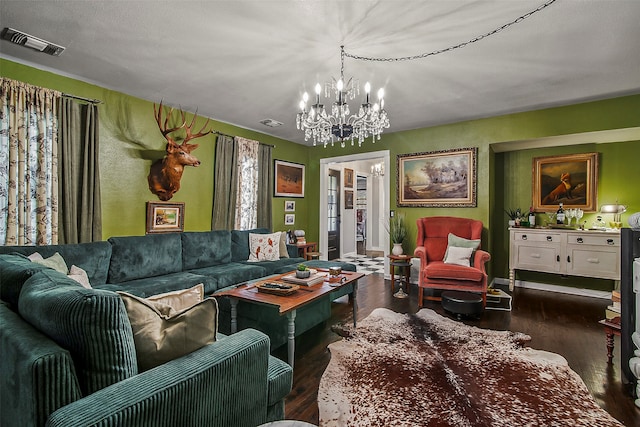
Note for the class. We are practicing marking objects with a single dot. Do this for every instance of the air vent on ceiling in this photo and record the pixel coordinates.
(271, 123)
(27, 40)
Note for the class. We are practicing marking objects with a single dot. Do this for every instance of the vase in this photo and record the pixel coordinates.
(397, 249)
(512, 223)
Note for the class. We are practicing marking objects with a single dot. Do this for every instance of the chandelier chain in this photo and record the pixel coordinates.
(454, 47)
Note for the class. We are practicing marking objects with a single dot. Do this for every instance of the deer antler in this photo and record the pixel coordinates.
(163, 127)
(200, 133)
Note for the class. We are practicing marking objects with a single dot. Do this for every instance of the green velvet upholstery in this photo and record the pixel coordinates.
(204, 249)
(15, 269)
(232, 273)
(280, 382)
(240, 243)
(137, 257)
(91, 257)
(282, 265)
(92, 324)
(318, 263)
(36, 375)
(148, 286)
(219, 385)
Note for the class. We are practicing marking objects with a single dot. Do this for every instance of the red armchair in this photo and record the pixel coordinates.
(432, 244)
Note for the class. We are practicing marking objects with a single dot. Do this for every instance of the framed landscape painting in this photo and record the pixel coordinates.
(438, 178)
(289, 179)
(165, 217)
(571, 180)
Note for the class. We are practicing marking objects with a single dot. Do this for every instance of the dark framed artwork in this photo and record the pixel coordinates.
(348, 199)
(165, 217)
(289, 179)
(348, 178)
(571, 179)
(437, 178)
(289, 219)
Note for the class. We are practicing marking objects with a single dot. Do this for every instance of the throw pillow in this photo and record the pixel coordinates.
(461, 242)
(55, 261)
(284, 253)
(162, 333)
(264, 247)
(80, 276)
(182, 299)
(460, 256)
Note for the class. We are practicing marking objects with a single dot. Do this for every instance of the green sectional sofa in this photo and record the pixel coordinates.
(67, 352)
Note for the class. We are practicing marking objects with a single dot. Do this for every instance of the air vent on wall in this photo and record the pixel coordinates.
(271, 123)
(27, 40)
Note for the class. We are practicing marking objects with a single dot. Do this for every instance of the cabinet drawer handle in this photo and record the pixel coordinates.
(524, 237)
(593, 260)
(580, 240)
(609, 241)
(535, 255)
(558, 258)
(568, 258)
(549, 239)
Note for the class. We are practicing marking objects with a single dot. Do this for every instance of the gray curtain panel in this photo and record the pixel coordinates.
(80, 214)
(265, 184)
(225, 184)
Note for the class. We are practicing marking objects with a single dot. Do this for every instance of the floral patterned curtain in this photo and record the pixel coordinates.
(28, 164)
(247, 191)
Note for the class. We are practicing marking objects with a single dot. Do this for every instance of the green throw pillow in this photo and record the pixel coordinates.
(460, 242)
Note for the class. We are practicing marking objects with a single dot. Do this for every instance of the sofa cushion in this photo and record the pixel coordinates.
(169, 282)
(264, 247)
(55, 262)
(205, 248)
(240, 243)
(232, 273)
(15, 269)
(283, 265)
(179, 300)
(91, 324)
(92, 257)
(164, 332)
(136, 257)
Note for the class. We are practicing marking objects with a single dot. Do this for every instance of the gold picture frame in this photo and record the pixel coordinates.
(571, 179)
(165, 217)
(348, 178)
(437, 179)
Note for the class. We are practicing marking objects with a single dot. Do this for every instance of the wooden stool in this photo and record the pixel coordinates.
(313, 255)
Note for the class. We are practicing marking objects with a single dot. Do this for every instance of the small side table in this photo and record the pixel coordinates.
(304, 248)
(403, 262)
(611, 328)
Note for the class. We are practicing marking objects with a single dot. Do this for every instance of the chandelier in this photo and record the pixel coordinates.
(377, 170)
(340, 124)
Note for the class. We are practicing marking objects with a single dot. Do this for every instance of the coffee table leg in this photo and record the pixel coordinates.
(234, 315)
(291, 344)
(355, 302)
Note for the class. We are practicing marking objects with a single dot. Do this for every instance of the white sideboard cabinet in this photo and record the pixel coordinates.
(571, 252)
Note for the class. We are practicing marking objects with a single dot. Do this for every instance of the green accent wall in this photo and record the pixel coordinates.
(130, 141)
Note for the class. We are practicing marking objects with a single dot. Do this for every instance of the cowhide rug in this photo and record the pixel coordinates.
(427, 370)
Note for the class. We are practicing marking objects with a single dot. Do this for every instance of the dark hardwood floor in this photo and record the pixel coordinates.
(559, 323)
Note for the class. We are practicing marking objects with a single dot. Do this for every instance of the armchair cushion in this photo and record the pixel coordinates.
(438, 270)
(457, 255)
(461, 242)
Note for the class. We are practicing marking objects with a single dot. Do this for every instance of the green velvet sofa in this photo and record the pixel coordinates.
(67, 352)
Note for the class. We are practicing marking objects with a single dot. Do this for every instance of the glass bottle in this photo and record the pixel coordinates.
(560, 215)
(532, 217)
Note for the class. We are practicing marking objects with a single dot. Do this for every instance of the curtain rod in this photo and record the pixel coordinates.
(231, 136)
(90, 100)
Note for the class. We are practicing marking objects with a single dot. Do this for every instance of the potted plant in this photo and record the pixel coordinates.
(515, 215)
(397, 232)
(302, 272)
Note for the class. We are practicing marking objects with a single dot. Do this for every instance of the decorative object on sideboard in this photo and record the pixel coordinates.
(515, 216)
(617, 210)
(165, 174)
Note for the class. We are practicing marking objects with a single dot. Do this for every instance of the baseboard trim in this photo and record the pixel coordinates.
(554, 288)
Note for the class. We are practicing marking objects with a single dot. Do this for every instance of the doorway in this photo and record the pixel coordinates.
(333, 214)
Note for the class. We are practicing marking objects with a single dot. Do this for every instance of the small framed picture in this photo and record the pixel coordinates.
(165, 217)
(348, 199)
(289, 219)
(289, 206)
(348, 178)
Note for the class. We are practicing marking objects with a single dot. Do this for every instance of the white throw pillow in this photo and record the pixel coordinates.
(264, 247)
(460, 256)
(80, 276)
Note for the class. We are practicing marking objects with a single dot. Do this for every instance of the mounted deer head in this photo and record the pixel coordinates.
(165, 174)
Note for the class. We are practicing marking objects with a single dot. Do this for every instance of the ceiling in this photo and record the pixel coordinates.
(244, 61)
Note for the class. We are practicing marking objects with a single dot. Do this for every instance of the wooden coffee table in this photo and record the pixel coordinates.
(288, 304)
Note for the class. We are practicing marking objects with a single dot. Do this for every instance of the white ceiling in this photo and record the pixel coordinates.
(244, 61)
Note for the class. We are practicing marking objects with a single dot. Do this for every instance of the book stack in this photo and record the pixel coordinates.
(309, 281)
(613, 310)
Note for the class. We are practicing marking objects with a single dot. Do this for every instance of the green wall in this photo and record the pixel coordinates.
(130, 141)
